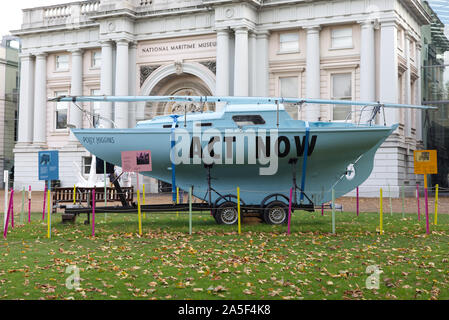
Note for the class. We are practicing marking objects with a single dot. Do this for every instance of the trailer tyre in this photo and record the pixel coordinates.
(227, 213)
(276, 212)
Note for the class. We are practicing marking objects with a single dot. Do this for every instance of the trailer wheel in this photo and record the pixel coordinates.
(276, 212)
(226, 213)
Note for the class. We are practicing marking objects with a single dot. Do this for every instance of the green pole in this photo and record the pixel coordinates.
(23, 203)
(333, 211)
(190, 211)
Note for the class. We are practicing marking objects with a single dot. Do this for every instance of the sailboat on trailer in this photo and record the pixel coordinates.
(252, 143)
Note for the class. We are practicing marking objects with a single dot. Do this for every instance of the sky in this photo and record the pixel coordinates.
(11, 13)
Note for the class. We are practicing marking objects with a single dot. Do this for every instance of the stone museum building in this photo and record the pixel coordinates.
(338, 49)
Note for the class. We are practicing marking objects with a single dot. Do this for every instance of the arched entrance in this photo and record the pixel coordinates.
(178, 85)
(179, 79)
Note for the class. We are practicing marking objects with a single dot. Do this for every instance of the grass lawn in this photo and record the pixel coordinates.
(216, 263)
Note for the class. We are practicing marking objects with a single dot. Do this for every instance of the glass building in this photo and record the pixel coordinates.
(435, 86)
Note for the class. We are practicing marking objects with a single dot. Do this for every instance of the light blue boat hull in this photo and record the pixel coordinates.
(336, 147)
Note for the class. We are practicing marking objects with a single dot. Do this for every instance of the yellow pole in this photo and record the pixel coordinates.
(49, 214)
(139, 212)
(238, 209)
(144, 203)
(436, 204)
(381, 212)
(177, 200)
(74, 194)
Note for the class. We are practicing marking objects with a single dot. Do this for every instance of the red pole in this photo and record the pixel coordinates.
(29, 204)
(357, 201)
(93, 212)
(45, 199)
(12, 208)
(427, 204)
(5, 232)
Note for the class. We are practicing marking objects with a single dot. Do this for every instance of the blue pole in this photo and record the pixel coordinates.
(304, 163)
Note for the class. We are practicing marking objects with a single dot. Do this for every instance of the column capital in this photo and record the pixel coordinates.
(241, 30)
(123, 42)
(312, 28)
(263, 34)
(366, 23)
(106, 43)
(133, 45)
(41, 55)
(25, 56)
(389, 23)
(76, 51)
(222, 31)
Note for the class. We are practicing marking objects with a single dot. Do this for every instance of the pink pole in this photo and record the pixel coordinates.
(290, 210)
(427, 212)
(29, 205)
(417, 199)
(12, 209)
(93, 212)
(45, 197)
(357, 201)
(5, 231)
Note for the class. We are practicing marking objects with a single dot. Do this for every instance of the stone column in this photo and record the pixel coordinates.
(367, 67)
(389, 69)
(408, 87)
(252, 64)
(26, 107)
(121, 83)
(106, 82)
(75, 114)
(262, 69)
(40, 100)
(132, 83)
(313, 72)
(222, 87)
(241, 69)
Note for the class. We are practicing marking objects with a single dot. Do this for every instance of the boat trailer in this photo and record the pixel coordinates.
(273, 209)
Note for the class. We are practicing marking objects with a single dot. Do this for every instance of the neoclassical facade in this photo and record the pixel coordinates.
(339, 49)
